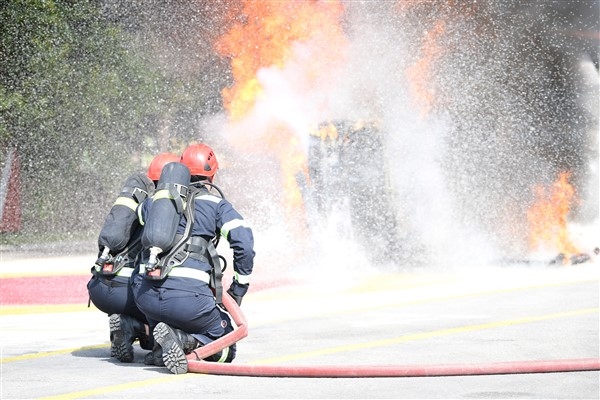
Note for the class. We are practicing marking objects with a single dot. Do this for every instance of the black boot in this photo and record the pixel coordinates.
(227, 354)
(224, 356)
(146, 341)
(124, 330)
(113, 348)
(175, 345)
(155, 356)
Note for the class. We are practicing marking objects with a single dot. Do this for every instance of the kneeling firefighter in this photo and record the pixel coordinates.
(119, 245)
(179, 284)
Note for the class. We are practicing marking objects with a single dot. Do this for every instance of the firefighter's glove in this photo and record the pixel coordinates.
(237, 291)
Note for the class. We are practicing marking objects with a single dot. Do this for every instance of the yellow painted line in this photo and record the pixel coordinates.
(45, 308)
(332, 350)
(326, 314)
(476, 294)
(49, 353)
(117, 388)
(427, 335)
(374, 287)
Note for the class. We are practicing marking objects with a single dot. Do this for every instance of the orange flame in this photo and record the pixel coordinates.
(266, 38)
(282, 143)
(419, 74)
(548, 217)
(270, 36)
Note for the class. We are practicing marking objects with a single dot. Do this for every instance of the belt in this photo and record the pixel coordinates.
(185, 272)
(125, 271)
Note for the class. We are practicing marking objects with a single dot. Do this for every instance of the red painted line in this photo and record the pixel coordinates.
(72, 289)
(64, 289)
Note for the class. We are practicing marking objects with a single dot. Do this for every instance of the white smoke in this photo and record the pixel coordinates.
(461, 173)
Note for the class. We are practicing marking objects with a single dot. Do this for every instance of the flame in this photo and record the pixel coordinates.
(266, 39)
(548, 217)
(272, 37)
(281, 142)
(419, 74)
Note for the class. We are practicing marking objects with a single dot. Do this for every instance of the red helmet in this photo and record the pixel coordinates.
(158, 162)
(201, 160)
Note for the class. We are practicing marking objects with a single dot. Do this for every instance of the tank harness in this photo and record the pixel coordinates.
(108, 266)
(188, 246)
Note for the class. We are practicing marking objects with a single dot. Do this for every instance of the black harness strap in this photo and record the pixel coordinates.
(216, 274)
(195, 247)
(177, 255)
(138, 194)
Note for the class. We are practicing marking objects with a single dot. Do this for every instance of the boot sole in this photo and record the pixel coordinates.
(113, 348)
(173, 355)
(119, 348)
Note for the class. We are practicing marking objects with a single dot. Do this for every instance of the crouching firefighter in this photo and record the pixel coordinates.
(119, 245)
(179, 283)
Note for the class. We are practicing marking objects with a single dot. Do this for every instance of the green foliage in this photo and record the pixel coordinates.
(81, 101)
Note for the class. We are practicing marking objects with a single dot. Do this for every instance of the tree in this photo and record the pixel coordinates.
(82, 102)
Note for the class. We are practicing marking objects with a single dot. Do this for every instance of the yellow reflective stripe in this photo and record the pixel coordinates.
(125, 271)
(127, 202)
(242, 279)
(162, 194)
(140, 217)
(224, 354)
(231, 225)
(165, 194)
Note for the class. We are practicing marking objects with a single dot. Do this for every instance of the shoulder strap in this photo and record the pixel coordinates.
(138, 194)
(177, 193)
(210, 251)
(169, 261)
(216, 275)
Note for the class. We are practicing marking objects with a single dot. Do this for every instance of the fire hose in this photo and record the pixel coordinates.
(196, 363)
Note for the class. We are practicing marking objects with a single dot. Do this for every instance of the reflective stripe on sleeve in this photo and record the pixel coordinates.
(231, 225)
(140, 217)
(210, 197)
(127, 202)
(242, 279)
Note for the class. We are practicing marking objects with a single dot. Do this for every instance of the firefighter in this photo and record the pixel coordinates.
(119, 241)
(180, 293)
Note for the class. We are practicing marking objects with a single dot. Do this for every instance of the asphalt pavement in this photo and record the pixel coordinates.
(419, 317)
